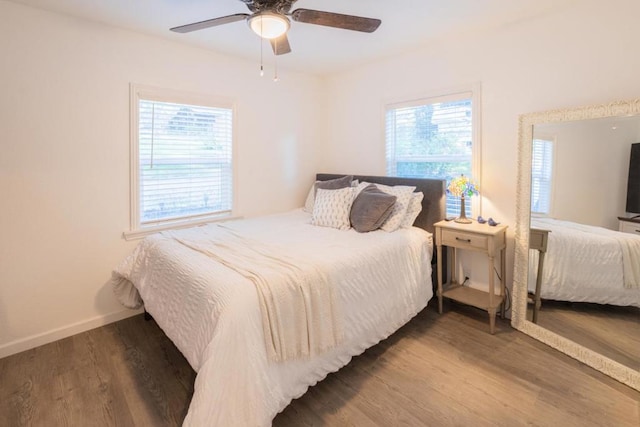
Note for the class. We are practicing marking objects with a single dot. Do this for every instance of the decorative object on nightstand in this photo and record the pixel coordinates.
(490, 240)
(489, 221)
(462, 187)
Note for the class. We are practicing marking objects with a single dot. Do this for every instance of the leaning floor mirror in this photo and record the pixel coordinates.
(577, 261)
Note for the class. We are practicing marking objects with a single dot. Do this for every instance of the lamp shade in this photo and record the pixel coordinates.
(269, 25)
(462, 187)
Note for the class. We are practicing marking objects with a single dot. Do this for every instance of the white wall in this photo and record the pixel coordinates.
(583, 55)
(64, 157)
(591, 167)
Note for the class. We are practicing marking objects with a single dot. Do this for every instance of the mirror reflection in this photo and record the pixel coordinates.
(584, 257)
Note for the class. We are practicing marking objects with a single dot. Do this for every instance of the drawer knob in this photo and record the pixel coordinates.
(463, 240)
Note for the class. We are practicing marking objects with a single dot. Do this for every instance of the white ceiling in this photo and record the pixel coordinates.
(406, 25)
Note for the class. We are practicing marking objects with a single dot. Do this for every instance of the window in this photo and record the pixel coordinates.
(434, 138)
(541, 175)
(181, 159)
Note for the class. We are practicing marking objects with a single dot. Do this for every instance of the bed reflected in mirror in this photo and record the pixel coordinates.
(577, 278)
(583, 283)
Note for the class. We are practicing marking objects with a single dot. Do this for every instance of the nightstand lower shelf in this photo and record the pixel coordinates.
(475, 298)
(471, 296)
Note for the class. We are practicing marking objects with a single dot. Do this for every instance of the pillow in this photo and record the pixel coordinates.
(414, 209)
(331, 184)
(308, 203)
(334, 184)
(361, 186)
(403, 196)
(371, 208)
(332, 208)
(388, 188)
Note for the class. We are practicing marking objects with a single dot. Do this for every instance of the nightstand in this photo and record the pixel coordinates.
(629, 225)
(479, 238)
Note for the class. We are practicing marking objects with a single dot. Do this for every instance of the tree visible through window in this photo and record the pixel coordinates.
(431, 139)
(184, 165)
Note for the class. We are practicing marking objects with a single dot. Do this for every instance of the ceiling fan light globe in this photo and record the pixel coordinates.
(269, 25)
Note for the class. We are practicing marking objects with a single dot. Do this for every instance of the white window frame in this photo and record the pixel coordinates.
(142, 92)
(471, 91)
(552, 177)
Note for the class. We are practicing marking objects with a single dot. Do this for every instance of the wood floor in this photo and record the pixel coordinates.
(438, 370)
(606, 329)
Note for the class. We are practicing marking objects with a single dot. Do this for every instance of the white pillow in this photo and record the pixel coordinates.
(414, 209)
(361, 186)
(308, 203)
(332, 208)
(403, 195)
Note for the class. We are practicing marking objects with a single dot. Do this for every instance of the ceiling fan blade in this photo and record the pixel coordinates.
(280, 45)
(336, 20)
(210, 23)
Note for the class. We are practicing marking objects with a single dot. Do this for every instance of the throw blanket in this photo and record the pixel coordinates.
(630, 246)
(296, 299)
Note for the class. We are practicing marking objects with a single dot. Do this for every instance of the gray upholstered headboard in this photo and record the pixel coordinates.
(433, 204)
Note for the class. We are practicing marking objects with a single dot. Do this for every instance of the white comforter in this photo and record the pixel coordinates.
(212, 313)
(587, 264)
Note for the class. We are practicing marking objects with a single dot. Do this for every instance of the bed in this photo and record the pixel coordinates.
(215, 313)
(584, 263)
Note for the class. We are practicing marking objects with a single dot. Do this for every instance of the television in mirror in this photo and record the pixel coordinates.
(633, 183)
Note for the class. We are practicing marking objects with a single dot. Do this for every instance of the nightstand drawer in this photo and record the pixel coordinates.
(630, 227)
(463, 240)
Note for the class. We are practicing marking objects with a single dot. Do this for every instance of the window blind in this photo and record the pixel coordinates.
(185, 161)
(431, 138)
(541, 176)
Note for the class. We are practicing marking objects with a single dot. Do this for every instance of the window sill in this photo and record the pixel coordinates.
(147, 231)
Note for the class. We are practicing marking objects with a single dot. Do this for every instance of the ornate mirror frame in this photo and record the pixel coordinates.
(519, 320)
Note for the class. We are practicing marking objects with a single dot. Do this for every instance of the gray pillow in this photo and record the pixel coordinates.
(334, 184)
(371, 208)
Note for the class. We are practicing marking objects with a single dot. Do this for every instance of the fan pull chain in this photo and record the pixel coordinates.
(261, 60)
(275, 60)
(261, 54)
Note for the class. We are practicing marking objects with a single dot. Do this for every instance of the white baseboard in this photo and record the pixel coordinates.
(34, 341)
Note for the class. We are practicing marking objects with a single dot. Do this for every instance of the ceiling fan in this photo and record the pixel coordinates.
(269, 19)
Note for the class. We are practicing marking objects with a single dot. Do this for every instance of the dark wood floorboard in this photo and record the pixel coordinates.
(438, 370)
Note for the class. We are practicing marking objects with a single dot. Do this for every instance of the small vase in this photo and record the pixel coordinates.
(462, 219)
